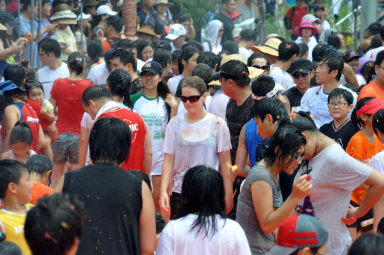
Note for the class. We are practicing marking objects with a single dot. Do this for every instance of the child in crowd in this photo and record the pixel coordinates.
(20, 143)
(40, 168)
(15, 192)
(363, 146)
(341, 129)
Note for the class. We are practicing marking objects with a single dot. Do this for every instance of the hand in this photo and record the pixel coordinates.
(43, 112)
(165, 206)
(352, 214)
(301, 187)
(171, 101)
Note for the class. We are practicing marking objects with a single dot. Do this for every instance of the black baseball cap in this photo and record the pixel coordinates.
(152, 67)
(300, 65)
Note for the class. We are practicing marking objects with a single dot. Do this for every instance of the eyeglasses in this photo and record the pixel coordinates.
(298, 75)
(191, 99)
(338, 104)
(265, 68)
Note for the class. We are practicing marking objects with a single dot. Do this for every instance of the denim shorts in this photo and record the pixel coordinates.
(66, 148)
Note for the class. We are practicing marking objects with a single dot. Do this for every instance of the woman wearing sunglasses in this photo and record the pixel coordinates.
(191, 139)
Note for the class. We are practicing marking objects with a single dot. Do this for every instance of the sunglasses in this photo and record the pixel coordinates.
(191, 99)
(297, 75)
(265, 68)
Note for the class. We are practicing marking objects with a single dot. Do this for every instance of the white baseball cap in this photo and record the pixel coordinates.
(176, 31)
(83, 16)
(105, 10)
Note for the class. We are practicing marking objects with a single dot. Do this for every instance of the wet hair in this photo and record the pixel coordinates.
(236, 71)
(378, 124)
(21, 133)
(196, 83)
(248, 35)
(119, 82)
(368, 244)
(113, 148)
(262, 85)
(379, 58)
(185, 55)
(287, 49)
(334, 62)
(195, 44)
(76, 62)
(256, 55)
(183, 18)
(231, 47)
(140, 47)
(304, 122)
(176, 55)
(209, 58)
(272, 106)
(48, 45)
(376, 42)
(33, 84)
(368, 70)
(95, 93)
(52, 226)
(334, 40)
(321, 51)
(163, 57)
(39, 163)
(126, 57)
(108, 57)
(359, 104)
(9, 248)
(10, 172)
(115, 22)
(303, 49)
(203, 194)
(343, 93)
(124, 44)
(203, 71)
(95, 50)
(15, 73)
(284, 143)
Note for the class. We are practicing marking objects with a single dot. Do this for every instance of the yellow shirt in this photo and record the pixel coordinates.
(12, 225)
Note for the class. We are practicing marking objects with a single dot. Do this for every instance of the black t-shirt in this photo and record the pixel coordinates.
(294, 96)
(342, 135)
(227, 24)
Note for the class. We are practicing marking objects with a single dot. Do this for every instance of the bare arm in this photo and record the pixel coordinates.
(147, 151)
(83, 146)
(166, 175)
(226, 174)
(11, 116)
(54, 104)
(59, 185)
(147, 224)
(48, 115)
(241, 156)
(350, 76)
(378, 211)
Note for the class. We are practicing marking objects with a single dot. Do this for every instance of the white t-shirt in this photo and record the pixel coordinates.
(195, 144)
(47, 77)
(377, 162)
(87, 122)
(334, 174)
(245, 53)
(98, 74)
(311, 44)
(178, 238)
(218, 105)
(154, 113)
(360, 79)
(173, 83)
(282, 77)
(315, 101)
(371, 54)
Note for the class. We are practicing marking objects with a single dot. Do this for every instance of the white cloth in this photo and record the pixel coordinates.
(378, 162)
(315, 102)
(87, 122)
(247, 13)
(83, 46)
(47, 77)
(173, 83)
(212, 32)
(195, 144)
(334, 175)
(371, 54)
(218, 105)
(140, 63)
(311, 44)
(245, 53)
(282, 77)
(98, 74)
(360, 79)
(178, 238)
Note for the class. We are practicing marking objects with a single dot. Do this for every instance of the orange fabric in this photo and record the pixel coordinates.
(360, 148)
(372, 89)
(40, 190)
(106, 46)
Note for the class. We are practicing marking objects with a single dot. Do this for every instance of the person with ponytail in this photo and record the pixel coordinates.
(156, 106)
(363, 146)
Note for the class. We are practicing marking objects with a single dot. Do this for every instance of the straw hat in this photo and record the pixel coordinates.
(270, 47)
(163, 2)
(148, 30)
(3, 28)
(65, 17)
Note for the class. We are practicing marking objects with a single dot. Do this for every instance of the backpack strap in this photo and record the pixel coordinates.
(20, 106)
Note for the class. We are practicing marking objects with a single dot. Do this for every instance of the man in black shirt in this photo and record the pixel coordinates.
(227, 8)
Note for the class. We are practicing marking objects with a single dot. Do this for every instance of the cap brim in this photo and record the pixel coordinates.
(280, 250)
(152, 71)
(301, 70)
(265, 50)
(172, 36)
(214, 83)
(254, 72)
(111, 13)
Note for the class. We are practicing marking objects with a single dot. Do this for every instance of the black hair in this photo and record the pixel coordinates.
(95, 93)
(140, 47)
(334, 40)
(380, 226)
(126, 57)
(95, 50)
(184, 17)
(163, 57)
(124, 44)
(21, 133)
(272, 106)
(381, 31)
(186, 54)
(237, 71)
(368, 244)
(256, 55)
(376, 42)
(108, 57)
(379, 58)
(195, 44)
(76, 62)
(203, 194)
(248, 35)
(231, 47)
(33, 84)
(321, 51)
(119, 82)
(368, 70)
(209, 58)
(48, 45)
(142, 176)
(378, 125)
(9, 248)
(359, 104)
(284, 143)
(176, 55)
(343, 93)
(10, 172)
(15, 73)
(109, 148)
(334, 62)
(314, 250)
(262, 85)
(30, 74)
(6, 17)
(203, 71)
(25, 4)
(303, 49)
(52, 226)
(304, 122)
(115, 22)
(39, 163)
(287, 49)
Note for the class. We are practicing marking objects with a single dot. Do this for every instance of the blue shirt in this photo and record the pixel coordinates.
(252, 139)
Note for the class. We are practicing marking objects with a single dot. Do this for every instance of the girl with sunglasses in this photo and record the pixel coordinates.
(191, 139)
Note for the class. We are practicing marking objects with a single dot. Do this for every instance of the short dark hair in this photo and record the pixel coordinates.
(115, 22)
(231, 46)
(140, 47)
(113, 148)
(39, 163)
(21, 133)
(368, 70)
(287, 49)
(184, 17)
(340, 92)
(304, 122)
(272, 106)
(203, 71)
(126, 57)
(48, 45)
(371, 243)
(186, 54)
(176, 55)
(119, 82)
(15, 73)
(95, 93)
(381, 32)
(376, 42)
(236, 71)
(52, 226)
(379, 58)
(209, 58)
(10, 172)
(256, 55)
(193, 43)
(95, 50)
(9, 248)
(378, 125)
(33, 84)
(321, 51)
(303, 49)
(334, 62)
(334, 40)
(163, 57)
(76, 62)
(124, 44)
(248, 35)
(262, 85)
(25, 4)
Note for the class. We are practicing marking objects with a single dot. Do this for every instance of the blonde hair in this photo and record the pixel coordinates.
(196, 83)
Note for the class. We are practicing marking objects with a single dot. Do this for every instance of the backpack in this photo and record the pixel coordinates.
(288, 21)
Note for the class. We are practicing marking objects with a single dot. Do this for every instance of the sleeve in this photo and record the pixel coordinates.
(365, 92)
(170, 136)
(378, 163)
(242, 242)
(223, 137)
(165, 244)
(355, 148)
(304, 104)
(83, 122)
(91, 76)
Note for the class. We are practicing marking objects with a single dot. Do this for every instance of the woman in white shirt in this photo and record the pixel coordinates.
(215, 32)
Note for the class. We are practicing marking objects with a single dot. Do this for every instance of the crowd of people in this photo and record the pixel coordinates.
(166, 144)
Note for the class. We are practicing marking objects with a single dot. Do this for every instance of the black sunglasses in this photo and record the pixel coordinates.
(191, 99)
(265, 68)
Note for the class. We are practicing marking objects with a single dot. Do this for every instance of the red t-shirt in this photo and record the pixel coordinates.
(37, 107)
(296, 18)
(68, 94)
(135, 159)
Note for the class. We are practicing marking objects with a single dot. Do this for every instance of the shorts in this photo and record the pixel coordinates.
(364, 223)
(66, 148)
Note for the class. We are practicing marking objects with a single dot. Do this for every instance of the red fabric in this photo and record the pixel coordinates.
(106, 46)
(370, 108)
(30, 117)
(135, 159)
(40, 190)
(296, 19)
(37, 107)
(68, 94)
